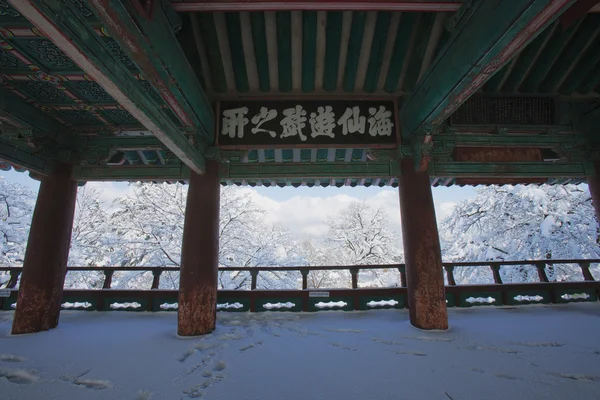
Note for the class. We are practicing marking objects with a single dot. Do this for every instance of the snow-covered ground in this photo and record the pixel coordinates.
(539, 352)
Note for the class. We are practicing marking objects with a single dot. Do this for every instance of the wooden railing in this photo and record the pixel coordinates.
(498, 293)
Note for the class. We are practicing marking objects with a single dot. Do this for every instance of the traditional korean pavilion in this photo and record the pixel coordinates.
(409, 94)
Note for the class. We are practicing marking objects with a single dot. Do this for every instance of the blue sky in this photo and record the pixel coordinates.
(304, 211)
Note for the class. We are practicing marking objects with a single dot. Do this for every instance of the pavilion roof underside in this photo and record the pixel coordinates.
(359, 53)
(341, 54)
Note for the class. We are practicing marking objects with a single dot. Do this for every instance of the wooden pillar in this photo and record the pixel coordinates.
(200, 255)
(594, 187)
(45, 265)
(424, 271)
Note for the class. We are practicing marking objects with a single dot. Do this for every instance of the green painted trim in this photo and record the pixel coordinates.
(354, 45)
(83, 36)
(465, 139)
(156, 36)
(309, 50)
(132, 173)
(26, 114)
(333, 38)
(426, 21)
(238, 60)
(580, 72)
(20, 157)
(380, 36)
(480, 41)
(213, 51)
(121, 142)
(401, 45)
(284, 49)
(311, 170)
(523, 63)
(546, 59)
(259, 38)
(588, 28)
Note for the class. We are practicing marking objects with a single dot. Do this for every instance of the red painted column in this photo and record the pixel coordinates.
(594, 187)
(424, 272)
(200, 255)
(45, 265)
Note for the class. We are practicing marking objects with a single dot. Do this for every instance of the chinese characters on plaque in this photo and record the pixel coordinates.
(307, 123)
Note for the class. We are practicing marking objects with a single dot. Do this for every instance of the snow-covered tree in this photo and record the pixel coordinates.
(521, 223)
(148, 230)
(358, 235)
(90, 240)
(16, 210)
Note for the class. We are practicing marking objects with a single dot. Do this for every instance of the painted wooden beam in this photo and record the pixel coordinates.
(508, 169)
(325, 170)
(346, 5)
(487, 35)
(73, 34)
(22, 114)
(24, 159)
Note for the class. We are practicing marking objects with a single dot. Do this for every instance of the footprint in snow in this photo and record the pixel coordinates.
(197, 391)
(341, 346)
(11, 358)
(93, 384)
(579, 377)
(509, 377)
(411, 353)
(18, 376)
(251, 345)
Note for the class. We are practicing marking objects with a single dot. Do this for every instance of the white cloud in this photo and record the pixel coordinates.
(109, 191)
(307, 215)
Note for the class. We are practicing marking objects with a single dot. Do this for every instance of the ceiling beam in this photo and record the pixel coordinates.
(23, 115)
(343, 5)
(475, 170)
(75, 36)
(531, 169)
(24, 158)
(487, 35)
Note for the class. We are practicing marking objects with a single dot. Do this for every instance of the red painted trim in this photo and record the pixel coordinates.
(332, 5)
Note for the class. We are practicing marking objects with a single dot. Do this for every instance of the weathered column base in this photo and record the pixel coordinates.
(45, 265)
(197, 312)
(423, 257)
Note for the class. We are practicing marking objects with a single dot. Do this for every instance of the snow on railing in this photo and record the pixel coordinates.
(169, 306)
(331, 304)
(76, 304)
(483, 300)
(528, 298)
(270, 306)
(227, 306)
(117, 306)
(382, 303)
(576, 296)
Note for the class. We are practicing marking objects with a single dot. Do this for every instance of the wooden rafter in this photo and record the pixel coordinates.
(71, 33)
(487, 36)
(340, 5)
